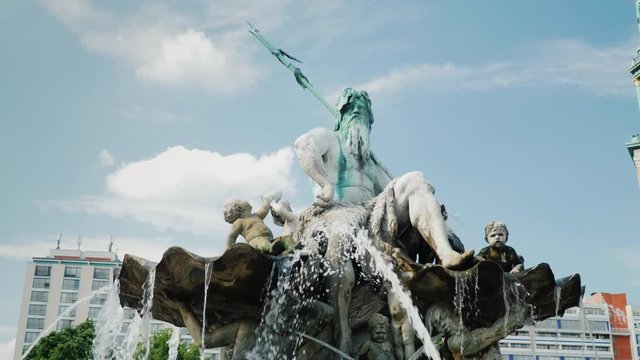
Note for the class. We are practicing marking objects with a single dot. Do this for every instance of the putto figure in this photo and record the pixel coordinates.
(283, 216)
(250, 225)
(497, 235)
(378, 347)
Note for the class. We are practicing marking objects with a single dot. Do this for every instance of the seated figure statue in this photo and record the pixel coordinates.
(250, 225)
(347, 174)
(497, 234)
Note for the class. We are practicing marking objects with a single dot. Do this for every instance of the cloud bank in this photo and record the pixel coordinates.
(557, 63)
(184, 189)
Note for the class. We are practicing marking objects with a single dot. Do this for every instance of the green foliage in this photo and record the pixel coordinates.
(70, 343)
(160, 348)
(75, 343)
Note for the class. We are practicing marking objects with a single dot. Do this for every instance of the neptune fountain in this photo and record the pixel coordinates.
(370, 270)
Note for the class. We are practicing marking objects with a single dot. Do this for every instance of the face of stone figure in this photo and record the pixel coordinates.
(355, 128)
(379, 332)
(356, 110)
(497, 237)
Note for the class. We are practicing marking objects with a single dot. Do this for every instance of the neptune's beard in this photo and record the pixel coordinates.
(354, 134)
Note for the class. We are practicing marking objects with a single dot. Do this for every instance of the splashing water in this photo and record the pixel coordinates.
(66, 313)
(141, 324)
(558, 293)
(173, 343)
(384, 268)
(585, 324)
(507, 302)
(464, 289)
(108, 325)
(207, 279)
(276, 337)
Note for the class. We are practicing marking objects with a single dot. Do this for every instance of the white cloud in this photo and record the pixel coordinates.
(105, 158)
(191, 58)
(185, 189)
(562, 62)
(161, 46)
(150, 248)
(6, 349)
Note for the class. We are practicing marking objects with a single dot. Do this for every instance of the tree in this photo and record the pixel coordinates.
(71, 343)
(160, 348)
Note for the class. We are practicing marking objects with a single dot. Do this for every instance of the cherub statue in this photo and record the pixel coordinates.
(283, 216)
(497, 234)
(378, 347)
(250, 225)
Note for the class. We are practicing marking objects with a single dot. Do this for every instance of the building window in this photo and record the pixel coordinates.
(99, 284)
(546, 334)
(570, 324)
(41, 283)
(522, 357)
(68, 298)
(598, 325)
(71, 272)
(102, 273)
(520, 345)
(93, 312)
(71, 284)
(571, 347)
(64, 308)
(37, 309)
(155, 327)
(30, 336)
(548, 324)
(39, 296)
(42, 270)
(602, 348)
(129, 313)
(99, 299)
(546, 346)
(35, 323)
(63, 324)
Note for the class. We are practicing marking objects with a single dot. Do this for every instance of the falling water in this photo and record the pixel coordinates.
(108, 325)
(558, 293)
(66, 313)
(586, 324)
(207, 279)
(173, 343)
(130, 342)
(385, 269)
(507, 303)
(276, 334)
(141, 324)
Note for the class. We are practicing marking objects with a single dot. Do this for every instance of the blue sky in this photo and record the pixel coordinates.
(138, 120)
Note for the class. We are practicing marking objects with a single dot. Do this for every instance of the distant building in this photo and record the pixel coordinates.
(634, 145)
(602, 328)
(53, 283)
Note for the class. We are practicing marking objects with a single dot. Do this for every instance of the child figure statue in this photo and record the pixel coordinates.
(497, 234)
(250, 225)
(378, 347)
(283, 216)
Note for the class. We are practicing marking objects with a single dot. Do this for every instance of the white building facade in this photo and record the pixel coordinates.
(581, 334)
(67, 278)
(53, 283)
